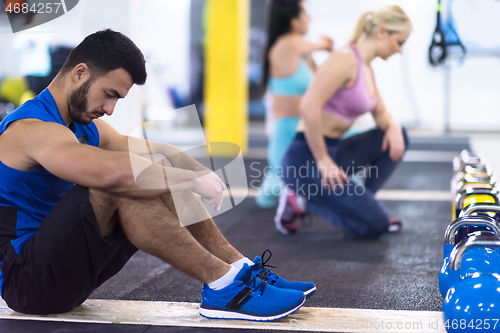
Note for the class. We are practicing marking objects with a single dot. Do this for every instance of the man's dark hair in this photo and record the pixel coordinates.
(105, 51)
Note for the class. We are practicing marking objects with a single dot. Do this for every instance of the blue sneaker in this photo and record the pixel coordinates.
(261, 272)
(249, 298)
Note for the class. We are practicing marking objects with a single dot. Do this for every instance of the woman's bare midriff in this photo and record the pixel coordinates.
(286, 106)
(332, 126)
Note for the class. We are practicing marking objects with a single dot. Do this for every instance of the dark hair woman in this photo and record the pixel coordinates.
(288, 70)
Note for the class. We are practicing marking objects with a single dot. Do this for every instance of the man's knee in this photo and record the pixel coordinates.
(158, 158)
(111, 202)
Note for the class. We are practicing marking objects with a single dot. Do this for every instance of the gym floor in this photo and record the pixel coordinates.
(396, 272)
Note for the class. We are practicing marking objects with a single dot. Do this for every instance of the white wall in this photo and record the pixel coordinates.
(160, 28)
(411, 88)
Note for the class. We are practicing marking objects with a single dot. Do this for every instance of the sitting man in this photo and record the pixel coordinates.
(72, 212)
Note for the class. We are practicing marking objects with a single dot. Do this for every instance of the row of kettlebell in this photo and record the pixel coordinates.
(469, 279)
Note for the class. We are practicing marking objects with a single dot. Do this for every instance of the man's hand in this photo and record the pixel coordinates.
(331, 173)
(393, 139)
(203, 182)
(210, 187)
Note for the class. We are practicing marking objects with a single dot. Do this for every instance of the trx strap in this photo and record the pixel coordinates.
(444, 36)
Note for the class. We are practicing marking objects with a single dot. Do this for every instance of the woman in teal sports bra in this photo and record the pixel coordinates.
(289, 69)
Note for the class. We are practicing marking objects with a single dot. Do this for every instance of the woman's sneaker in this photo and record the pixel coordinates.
(287, 213)
(249, 298)
(395, 225)
(260, 271)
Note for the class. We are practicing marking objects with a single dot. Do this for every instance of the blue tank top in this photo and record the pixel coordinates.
(27, 197)
(293, 85)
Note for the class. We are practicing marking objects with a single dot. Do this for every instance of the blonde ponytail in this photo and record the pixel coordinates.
(392, 18)
(364, 26)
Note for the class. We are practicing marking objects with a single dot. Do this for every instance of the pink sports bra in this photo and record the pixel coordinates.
(351, 102)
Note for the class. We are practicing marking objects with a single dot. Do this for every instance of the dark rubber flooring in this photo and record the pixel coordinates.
(396, 272)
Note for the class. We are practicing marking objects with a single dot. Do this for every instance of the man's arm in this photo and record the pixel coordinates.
(55, 148)
(111, 140)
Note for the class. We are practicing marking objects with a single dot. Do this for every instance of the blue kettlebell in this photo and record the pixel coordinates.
(472, 304)
(479, 258)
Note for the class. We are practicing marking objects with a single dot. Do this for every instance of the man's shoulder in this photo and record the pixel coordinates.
(30, 109)
(41, 107)
(38, 130)
(25, 138)
(28, 106)
(36, 103)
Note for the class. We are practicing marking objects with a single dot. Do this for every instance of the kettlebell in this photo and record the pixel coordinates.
(472, 304)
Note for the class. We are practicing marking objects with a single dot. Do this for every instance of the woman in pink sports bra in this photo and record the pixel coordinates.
(344, 88)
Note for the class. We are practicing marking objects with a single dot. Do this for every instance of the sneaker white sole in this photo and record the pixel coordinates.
(309, 292)
(395, 227)
(221, 314)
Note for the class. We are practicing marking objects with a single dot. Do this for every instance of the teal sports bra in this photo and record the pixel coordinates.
(293, 85)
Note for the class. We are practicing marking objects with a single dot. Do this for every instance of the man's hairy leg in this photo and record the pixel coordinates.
(206, 231)
(154, 229)
(105, 210)
(188, 208)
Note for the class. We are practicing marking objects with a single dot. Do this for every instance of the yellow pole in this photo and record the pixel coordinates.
(226, 80)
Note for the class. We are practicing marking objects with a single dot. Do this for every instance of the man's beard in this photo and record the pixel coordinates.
(78, 104)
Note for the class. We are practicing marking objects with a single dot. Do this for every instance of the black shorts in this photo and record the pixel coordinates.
(66, 260)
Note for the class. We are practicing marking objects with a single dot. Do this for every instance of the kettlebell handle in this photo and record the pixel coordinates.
(486, 206)
(459, 200)
(467, 158)
(457, 254)
(469, 221)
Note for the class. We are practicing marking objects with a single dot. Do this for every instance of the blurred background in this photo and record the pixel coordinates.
(459, 95)
(209, 53)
